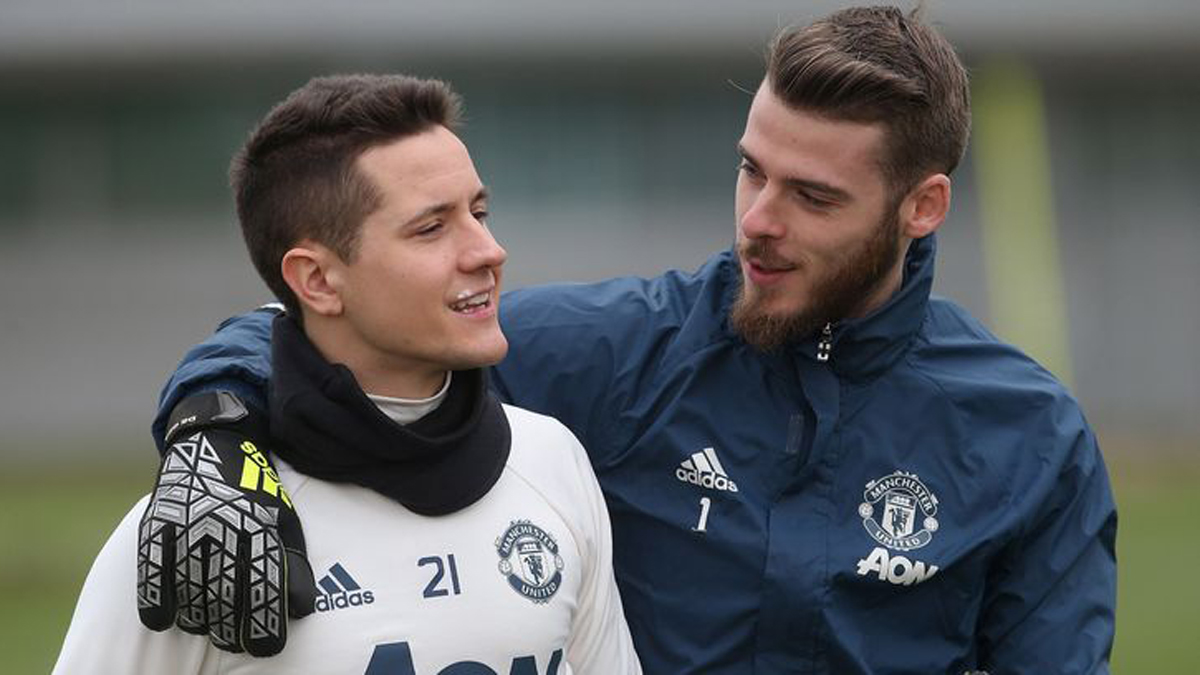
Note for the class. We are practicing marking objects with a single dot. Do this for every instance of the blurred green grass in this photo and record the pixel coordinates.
(54, 521)
(1158, 542)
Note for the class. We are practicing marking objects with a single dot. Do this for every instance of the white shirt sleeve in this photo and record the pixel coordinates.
(106, 635)
(600, 643)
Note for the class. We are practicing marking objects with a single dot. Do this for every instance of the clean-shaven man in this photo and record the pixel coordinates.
(450, 533)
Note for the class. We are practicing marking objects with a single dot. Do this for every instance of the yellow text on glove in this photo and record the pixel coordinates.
(255, 466)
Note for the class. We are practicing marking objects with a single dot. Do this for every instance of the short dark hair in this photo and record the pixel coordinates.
(874, 64)
(296, 176)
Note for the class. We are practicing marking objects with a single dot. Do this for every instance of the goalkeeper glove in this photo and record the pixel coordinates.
(220, 548)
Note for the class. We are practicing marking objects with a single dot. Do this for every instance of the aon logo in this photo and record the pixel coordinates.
(895, 568)
(395, 658)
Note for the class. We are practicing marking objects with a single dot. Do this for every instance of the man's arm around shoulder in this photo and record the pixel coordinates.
(236, 358)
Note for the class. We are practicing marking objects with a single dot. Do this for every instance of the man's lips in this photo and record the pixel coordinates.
(765, 273)
(475, 303)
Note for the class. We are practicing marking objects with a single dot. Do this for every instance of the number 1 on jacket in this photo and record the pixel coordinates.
(702, 526)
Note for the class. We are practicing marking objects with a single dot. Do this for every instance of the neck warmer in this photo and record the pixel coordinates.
(324, 426)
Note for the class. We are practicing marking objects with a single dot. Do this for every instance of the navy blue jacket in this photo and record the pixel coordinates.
(926, 500)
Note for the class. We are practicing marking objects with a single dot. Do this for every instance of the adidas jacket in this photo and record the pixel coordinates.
(925, 500)
(517, 583)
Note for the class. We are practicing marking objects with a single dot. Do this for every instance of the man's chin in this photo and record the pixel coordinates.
(481, 355)
(768, 330)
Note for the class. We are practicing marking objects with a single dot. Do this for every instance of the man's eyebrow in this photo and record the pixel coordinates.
(437, 209)
(741, 151)
(832, 192)
(824, 190)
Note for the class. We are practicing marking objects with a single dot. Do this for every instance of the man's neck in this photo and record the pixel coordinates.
(375, 372)
(888, 286)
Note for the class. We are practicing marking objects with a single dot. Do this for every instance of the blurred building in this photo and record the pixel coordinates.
(606, 131)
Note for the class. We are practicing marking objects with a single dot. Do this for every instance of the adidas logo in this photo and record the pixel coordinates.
(704, 469)
(340, 590)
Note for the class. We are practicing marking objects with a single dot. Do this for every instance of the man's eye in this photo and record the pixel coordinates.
(747, 168)
(815, 202)
(431, 228)
(481, 215)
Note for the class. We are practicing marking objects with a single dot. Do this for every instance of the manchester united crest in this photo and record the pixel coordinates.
(892, 508)
(529, 561)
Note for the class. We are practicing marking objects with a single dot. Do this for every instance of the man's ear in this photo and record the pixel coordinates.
(313, 272)
(925, 207)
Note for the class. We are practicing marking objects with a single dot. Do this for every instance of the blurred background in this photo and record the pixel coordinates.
(606, 132)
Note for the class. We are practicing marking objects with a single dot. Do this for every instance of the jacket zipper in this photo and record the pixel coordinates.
(825, 344)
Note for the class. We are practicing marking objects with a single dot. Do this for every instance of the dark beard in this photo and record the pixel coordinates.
(832, 298)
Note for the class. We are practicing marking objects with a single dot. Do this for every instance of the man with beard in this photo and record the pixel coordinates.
(811, 465)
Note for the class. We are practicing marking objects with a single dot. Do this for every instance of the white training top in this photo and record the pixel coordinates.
(518, 583)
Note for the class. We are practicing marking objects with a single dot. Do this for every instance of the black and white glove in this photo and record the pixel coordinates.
(220, 548)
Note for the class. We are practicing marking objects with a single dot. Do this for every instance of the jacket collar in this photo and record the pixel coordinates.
(865, 347)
